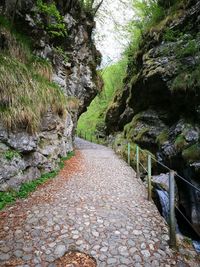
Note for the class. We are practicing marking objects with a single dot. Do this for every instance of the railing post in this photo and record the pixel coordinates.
(149, 177)
(172, 221)
(137, 162)
(129, 153)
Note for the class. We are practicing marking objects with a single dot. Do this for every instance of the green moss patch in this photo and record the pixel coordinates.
(180, 142)
(187, 80)
(192, 153)
(162, 137)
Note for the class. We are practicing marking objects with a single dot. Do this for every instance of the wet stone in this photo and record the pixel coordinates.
(60, 250)
(18, 253)
(111, 261)
(4, 256)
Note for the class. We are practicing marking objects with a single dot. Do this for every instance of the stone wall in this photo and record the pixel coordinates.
(25, 156)
(159, 107)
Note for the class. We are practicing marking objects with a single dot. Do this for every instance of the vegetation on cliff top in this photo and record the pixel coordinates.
(27, 91)
(93, 119)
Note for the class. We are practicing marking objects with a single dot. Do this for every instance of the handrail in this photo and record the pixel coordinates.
(172, 206)
(148, 170)
(166, 167)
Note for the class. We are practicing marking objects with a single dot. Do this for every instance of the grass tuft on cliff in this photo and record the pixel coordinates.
(26, 89)
(26, 95)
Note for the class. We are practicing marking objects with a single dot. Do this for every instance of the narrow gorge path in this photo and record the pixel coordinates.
(95, 205)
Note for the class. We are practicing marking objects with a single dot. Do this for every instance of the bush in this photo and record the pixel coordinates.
(58, 27)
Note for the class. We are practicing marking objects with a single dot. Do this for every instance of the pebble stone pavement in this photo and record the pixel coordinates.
(101, 209)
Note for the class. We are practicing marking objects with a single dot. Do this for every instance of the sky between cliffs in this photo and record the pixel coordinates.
(110, 36)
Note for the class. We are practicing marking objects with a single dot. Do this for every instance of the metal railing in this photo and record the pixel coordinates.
(172, 174)
(171, 192)
(88, 136)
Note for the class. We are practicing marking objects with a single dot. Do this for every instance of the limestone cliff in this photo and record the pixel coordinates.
(48, 68)
(159, 105)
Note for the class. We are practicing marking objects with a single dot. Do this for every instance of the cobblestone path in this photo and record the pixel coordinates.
(95, 205)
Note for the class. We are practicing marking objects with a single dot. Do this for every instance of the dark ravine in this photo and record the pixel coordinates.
(73, 59)
(159, 106)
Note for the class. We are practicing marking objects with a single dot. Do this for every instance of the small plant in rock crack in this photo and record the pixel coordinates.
(59, 50)
(10, 154)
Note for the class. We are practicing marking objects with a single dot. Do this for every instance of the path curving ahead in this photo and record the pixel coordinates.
(95, 205)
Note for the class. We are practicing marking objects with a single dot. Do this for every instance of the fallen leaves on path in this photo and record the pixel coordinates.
(75, 259)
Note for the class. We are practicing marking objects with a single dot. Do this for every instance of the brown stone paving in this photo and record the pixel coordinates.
(97, 206)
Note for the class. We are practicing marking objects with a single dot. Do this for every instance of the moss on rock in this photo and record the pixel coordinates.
(192, 153)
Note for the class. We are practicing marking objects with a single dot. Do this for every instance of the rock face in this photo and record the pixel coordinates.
(73, 56)
(159, 109)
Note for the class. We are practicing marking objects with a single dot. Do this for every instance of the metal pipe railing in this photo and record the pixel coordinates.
(148, 170)
(172, 175)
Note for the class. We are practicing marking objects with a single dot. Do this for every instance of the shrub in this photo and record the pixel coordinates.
(58, 27)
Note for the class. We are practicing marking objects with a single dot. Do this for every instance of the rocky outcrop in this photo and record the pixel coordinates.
(161, 100)
(24, 156)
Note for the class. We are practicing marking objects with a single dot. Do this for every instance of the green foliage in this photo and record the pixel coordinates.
(87, 4)
(147, 14)
(171, 35)
(4, 22)
(189, 49)
(10, 154)
(7, 198)
(94, 117)
(55, 25)
(28, 187)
